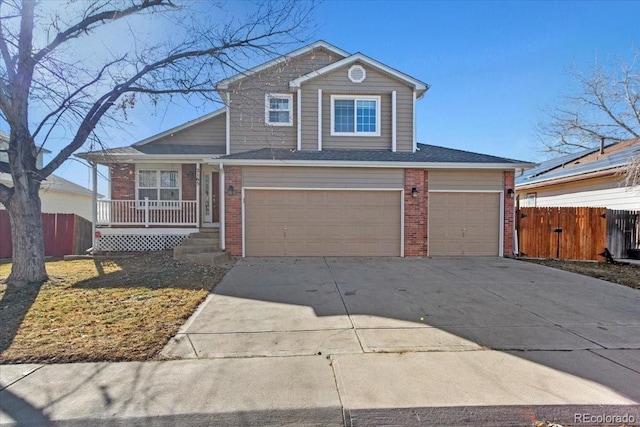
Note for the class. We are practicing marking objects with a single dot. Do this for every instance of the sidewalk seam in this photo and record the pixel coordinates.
(344, 304)
(3, 387)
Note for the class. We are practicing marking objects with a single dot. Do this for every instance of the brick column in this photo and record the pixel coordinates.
(509, 213)
(233, 210)
(123, 181)
(415, 212)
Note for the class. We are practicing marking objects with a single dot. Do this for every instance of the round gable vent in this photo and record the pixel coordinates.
(357, 74)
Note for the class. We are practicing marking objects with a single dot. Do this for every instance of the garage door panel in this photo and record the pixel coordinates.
(322, 223)
(464, 223)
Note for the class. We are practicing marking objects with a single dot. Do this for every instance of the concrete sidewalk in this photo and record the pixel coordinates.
(428, 388)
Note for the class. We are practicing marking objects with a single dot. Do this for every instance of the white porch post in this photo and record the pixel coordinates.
(94, 204)
(146, 211)
(393, 122)
(222, 206)
(197, 177)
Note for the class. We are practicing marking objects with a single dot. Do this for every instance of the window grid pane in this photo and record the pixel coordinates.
(152, 194)
(147, 179)
(343, 115)
(279, 110)
(169, 194)
(168, 179)
(366, 116)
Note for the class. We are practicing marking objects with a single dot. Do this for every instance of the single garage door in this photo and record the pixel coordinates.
(322, 223)
(464, 224)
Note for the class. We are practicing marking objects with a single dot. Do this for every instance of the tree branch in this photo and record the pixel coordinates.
(5, 194)
(85, 25)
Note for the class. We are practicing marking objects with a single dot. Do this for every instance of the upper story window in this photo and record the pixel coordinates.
(158, 184)
(355, 115)
(278, 109)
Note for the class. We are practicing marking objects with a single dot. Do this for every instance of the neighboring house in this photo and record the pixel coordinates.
(57, 195)
(590, 178)
(314, 154)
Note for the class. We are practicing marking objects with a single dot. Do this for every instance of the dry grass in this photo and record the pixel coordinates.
(105, 310)
(623, 274)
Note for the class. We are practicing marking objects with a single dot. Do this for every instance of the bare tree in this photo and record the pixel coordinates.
(46, 89)
(606, 105)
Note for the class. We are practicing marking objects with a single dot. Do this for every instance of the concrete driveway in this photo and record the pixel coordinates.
(308, 306)
(366, 342)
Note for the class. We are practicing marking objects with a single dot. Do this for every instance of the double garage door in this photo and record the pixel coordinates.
(366, 223)
(322, 223)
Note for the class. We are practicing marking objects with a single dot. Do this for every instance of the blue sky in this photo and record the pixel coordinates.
(492, 66)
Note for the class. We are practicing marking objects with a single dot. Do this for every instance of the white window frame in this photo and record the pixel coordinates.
(267, 109)
(159, 204)
(356, 98)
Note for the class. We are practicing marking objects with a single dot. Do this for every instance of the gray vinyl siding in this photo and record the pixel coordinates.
(208, 132)
(376, 83)
(308, 177)
(489, 180)
(248, 128)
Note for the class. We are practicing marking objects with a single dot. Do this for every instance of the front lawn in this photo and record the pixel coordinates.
(103, 310)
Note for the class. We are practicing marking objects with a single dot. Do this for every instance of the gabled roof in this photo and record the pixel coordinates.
(428, 155)
(358, 57)
(224, 84)
(582, 164)
(181, 127)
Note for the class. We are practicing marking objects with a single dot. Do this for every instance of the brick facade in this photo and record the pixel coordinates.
(415, 212)
(123, 181)
(188, 182)
(233, 211)
(509, 213)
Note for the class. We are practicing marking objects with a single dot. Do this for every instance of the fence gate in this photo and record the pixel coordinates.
(562, 233)
(622, 232)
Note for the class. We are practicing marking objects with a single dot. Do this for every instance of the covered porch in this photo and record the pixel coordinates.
(155, 205)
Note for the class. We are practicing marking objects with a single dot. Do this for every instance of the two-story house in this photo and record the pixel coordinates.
(314, 154)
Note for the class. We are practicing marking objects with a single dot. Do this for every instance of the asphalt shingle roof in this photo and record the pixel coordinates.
(426, 154)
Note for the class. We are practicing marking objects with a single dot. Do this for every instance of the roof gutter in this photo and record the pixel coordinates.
(567, 179)
(348, 164)
(166, 158)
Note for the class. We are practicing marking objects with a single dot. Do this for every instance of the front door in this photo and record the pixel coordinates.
(210, 188)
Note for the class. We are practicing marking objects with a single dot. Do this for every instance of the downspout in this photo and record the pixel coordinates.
(94, 205)
(222, 207)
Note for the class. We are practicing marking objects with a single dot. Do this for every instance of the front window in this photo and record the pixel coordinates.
(279, 109)
(352, 115)
(158, 185)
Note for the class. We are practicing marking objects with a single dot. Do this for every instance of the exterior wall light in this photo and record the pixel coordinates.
(510, 192)
(231, 190)
(414, 192)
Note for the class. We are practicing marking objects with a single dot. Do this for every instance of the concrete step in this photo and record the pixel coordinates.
(213, 233)
(199, 241)
(211, 258)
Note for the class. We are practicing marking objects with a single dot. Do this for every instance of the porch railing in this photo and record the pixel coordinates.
(147, 212)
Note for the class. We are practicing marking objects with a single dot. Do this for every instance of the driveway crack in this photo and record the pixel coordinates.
(344, 304)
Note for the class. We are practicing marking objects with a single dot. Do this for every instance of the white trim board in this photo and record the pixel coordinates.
(142, 231)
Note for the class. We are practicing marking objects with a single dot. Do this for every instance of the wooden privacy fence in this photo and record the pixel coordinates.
(64, 234)
(564, 233)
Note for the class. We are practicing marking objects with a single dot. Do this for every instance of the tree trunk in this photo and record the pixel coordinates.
(27, 237)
